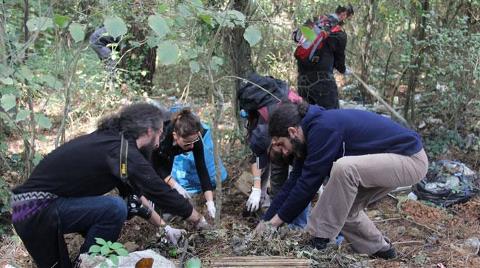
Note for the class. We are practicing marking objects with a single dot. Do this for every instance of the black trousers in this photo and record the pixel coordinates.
(319, 88)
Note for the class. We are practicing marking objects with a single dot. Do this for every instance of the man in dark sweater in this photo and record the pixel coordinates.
(366, 156)
(65, 192)
(316, 83)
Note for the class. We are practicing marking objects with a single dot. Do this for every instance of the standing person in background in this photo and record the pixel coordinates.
(102, 43)
(316, 83)
(184, 133)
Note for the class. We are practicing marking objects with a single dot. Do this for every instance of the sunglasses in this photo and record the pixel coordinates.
(188, 143)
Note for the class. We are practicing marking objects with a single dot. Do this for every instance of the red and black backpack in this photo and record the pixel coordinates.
(319, 30)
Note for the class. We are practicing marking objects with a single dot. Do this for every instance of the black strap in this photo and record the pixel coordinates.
(123, 160)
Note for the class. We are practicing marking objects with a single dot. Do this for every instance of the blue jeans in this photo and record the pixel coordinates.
(93, 216)
(301, 220)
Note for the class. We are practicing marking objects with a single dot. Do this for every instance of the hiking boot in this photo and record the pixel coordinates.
(319, 243)
(390, 253)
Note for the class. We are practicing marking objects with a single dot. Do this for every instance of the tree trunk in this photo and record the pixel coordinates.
(143, 58)
(3, 41)
(29, 151)
(237, 47)
(147, 57)
(365, 58)
(416, 61)
(26, 14)
(238, 50)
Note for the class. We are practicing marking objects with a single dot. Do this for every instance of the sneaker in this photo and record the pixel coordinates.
(319, 243)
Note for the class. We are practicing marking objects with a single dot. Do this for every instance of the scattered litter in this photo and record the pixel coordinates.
(127, 261)
(412, 196)
(447, 183)
(473, 244)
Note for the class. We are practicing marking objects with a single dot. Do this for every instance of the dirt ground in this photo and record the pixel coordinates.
(424, 236)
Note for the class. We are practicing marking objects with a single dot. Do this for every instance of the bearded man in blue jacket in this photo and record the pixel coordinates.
(364, 154)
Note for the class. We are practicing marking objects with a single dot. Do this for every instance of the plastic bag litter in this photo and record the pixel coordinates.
(127, 261)
(185, 172)
(447, 183)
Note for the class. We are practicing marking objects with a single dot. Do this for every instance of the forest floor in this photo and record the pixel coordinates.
(424, 236)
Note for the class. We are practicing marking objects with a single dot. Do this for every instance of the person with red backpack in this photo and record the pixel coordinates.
(318, 56)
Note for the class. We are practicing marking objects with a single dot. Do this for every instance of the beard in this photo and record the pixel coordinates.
(147, 150)
(299, 148)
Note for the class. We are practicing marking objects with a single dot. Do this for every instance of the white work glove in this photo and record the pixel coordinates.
(253, 202)
(211, 209)
(348, 71)
(181, 190)
(173, 234)
(202, 224)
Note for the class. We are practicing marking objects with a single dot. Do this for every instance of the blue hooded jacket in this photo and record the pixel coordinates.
(330, 135)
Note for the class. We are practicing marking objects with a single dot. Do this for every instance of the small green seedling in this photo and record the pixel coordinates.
(193, 263)
(109, 250)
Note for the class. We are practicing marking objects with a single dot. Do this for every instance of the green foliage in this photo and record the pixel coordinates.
(8, 101)
(43, 121)
(167, 52)
(193, 263)
(61, 21)
(252, 35)
(159, 25)
(230, 18)
(439, 143)
(173, 252)
(116, 27)
(216, 63)
(77, 31)
(107, 249)
(39, 24)
(194, 66)
(308, 33)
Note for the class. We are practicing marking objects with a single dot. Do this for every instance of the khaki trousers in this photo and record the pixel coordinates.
(356, 181)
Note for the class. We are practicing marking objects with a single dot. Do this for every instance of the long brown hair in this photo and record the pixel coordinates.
(185, 123)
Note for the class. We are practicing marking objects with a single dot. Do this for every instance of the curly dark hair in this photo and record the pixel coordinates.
(348, 8)
(288, 114)
(134, 120)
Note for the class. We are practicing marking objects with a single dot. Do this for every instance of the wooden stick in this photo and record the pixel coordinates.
(391, 219)
(421, 225)
(409, 242)
(382, 101)
(401, 189)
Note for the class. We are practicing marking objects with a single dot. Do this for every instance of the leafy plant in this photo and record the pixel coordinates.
(108, 250)
(193, 263)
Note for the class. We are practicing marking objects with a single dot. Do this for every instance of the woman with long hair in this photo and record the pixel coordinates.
(184, 133)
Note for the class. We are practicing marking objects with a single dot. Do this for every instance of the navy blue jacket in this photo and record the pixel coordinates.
(331, 134)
